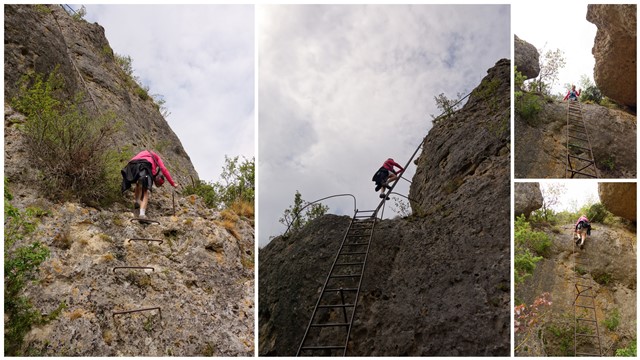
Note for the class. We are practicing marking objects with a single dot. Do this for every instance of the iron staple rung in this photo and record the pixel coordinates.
(322, 347)
(343, 289)
(335, 306)
(329, 325)
(579, 147)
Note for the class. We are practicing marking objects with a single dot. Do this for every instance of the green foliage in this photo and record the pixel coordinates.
(70, 147)
(597, 213)
(602, 278)
(631, 350)
(125, 63)
(80, 13)
(446, 106)
(612, 320)
(527, 105)
(591, 93)
(42, 9)
(20, 265)
(294, 217)
(609, 103)
(610, 163)
(550, 64)
(524, 261)
(237, 184)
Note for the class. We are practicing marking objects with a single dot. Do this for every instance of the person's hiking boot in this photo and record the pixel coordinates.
(388, 187)
(388, 198)
(378, 188)
(142, 216)
(382, 196)
(136, 205)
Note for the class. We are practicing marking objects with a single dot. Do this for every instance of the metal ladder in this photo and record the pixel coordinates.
(580, 160)
(330, 325)
(586, 334)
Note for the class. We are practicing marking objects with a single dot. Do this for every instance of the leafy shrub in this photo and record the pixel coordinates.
(612, 320)
(524, 264)
(631, 350)
(591, 93)
(69, 147)
(602, 278)
(537, 241)
(597, 213)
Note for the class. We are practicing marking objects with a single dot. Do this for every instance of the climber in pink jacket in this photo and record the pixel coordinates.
(582, 229)
(572, 94)
(385, 175)
(145, 169)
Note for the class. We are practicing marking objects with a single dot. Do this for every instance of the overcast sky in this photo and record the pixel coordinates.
(576, 194)
(559, 25)
(201, 59)
(342, 88)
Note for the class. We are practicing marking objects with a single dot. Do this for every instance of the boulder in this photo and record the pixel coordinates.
(619, 199)
(615, 50)
(527, 198)
(526, 58)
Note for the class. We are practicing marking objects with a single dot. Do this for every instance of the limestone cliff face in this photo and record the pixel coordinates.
(612, 271)
(42, 37)
(619, 199)
(436, 283)
(526, 58)
(540, 144)
(615, 50)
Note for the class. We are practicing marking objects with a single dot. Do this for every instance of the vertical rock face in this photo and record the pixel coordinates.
(619, 199)
(527, 197)
(41, 38)
(526, 58)
(436, 283)
(615, 51)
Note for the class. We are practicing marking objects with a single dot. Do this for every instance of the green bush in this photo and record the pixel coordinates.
(631, 350)
(537, 241)
(597, 213)
(524, 264)
(612, 320)
(591, 93)
(70, 148)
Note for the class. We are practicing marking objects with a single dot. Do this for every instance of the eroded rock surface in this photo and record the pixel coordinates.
(527, 197)
(619, 199)
(526, 58)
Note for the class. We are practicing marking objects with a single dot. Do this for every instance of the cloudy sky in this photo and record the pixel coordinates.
(575, 196)
(559, 25)
(342, 88)
(201, 59)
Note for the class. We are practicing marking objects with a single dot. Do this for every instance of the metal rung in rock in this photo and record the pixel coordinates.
(587, 341)
(584, 165)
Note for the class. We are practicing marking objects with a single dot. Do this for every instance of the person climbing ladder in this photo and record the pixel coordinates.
(582, 229)
(144, 169)
(572, 94)
(385, 175)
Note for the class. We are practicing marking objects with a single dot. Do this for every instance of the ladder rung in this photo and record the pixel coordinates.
(587, 354)
(589, 335)
(356, 244)
(322, 347)
(575, 137)
(334, 306)
(353, 253)
(581, 158)
(343, 289)
(349, 264)
(344, 276)
(581, 173)
(579, 147)
(358, 235)
(589, 320)
(584, 306)
(329, 324)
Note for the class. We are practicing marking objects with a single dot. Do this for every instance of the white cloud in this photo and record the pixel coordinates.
(201, 59)
(342, 88)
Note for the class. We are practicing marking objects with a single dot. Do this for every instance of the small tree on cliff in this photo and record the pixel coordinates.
(295, 219)
(550, 64)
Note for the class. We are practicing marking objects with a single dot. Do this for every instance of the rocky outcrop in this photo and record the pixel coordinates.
(619, 199)
(526, 58)
(436, 283)
(615, 50)
(612, 273)
(42, 38)
(202, 280)
(527, 198)
(540, 144)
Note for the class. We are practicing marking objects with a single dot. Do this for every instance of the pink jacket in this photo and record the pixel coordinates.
(582, 218)
(389, 164)
(154, 158)
(569, 93)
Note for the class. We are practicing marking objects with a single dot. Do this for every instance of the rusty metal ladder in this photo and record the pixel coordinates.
(586, 334)
(580, 160)
(330, 325)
